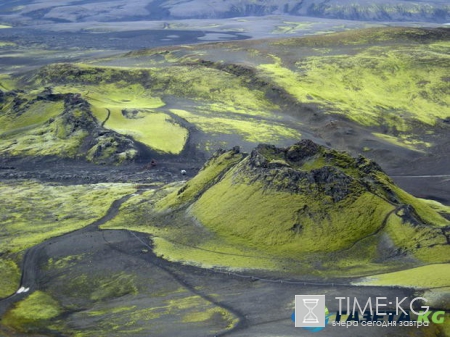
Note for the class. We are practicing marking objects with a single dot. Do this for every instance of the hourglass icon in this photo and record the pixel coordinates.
(309, 311)
(310, 304)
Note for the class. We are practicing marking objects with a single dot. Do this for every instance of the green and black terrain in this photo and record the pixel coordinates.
(152, 185)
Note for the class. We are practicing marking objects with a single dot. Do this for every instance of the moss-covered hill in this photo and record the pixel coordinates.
(382, 91)
(307, 200)
(46, 124)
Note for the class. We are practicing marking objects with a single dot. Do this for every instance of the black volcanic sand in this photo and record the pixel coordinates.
(123, 41)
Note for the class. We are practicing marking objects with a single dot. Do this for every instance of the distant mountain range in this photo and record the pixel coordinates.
(48, 11)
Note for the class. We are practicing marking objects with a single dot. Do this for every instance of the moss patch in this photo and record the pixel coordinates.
(250, 129)
(33, 312)
(437, 206)
(289, 27)
(425, 212)
(214, 253)
(9, 277)
(32, 212)
(205, 178)
(431, 276)
(213, 314)
(375, 86)
(7, 44)
(155, 129)
(40, 112)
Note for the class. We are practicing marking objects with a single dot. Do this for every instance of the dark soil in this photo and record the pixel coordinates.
(123, 41)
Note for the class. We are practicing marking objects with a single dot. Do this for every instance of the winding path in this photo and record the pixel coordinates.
(107, 117)
(30, 265)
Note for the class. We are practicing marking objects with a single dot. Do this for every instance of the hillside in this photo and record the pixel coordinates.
(382, 92)
(59, 125)
(306, 199)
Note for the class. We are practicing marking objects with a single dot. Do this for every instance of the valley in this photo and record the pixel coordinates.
(169, 168)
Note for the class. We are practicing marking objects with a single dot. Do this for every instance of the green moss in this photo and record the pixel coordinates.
(314, 163)
(431, 276)
(31, 126)
(205, 178)
(214, 314)
(6, 82)
(425, 212)
(292, 27)
(117, 310)
(436, 206)
(397, 141)
(133, 88)
(40, 130)
(425, 243)
(210, 84)
(34, 311)
(180, 243)
(157, 130)
(131, 113)
(98, 288)
(214, 253)
(64, 262)
(7, 44)
(33, 212)
(176, 306)
(250, 129)
(44, 141)
(396, 85)
(114, 286)
(9, 277)
(236, 107)
(37, 114)
(284, 222)
(383, 85)
(240, 216)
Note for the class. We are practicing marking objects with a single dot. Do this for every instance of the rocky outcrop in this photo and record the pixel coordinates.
(73, 133)
(307, 167)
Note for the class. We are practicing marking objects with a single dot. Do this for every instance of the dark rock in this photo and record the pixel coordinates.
(257, 159)
(367, 166)
(236, 150)
(131, 114)
(48, 95)
(301, 150)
